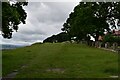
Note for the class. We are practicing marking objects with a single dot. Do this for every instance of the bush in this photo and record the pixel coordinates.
(111, 39)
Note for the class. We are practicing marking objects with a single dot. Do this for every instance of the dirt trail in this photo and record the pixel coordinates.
(13, 74)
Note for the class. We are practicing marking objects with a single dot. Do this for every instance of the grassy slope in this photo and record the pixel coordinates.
(75, 60)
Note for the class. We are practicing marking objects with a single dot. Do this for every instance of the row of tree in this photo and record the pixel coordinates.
(92, 19)
(87, 19)
(57, 38)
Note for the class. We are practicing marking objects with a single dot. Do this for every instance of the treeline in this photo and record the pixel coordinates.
(90, 19)
(63, 36)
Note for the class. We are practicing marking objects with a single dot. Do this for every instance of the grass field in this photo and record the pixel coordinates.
(60, 60)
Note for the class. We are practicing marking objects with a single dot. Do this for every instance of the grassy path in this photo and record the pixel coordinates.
(60, 61)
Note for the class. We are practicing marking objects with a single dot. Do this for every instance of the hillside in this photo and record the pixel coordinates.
(59, 60)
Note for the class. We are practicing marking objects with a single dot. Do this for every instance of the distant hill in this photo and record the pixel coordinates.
(9, 46)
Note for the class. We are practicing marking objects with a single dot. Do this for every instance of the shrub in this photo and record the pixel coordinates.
(111, 39)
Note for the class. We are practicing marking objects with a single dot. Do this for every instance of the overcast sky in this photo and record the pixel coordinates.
(43, 20)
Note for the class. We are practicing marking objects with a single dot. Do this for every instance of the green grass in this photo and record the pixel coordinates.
(60, 61)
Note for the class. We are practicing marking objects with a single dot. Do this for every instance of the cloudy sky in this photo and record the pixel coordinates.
(43, 20)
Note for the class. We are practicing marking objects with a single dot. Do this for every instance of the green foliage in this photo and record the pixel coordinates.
(63, 36)
(110, 38)
(12, 16)
(117, 39)
(92, 18)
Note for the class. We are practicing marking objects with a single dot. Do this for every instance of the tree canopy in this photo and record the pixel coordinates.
(63, 36)
(12, 15)
(92, 19)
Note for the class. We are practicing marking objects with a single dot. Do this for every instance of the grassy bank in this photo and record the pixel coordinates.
(60, 61)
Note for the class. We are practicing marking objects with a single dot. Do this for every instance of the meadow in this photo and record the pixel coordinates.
(59, 60)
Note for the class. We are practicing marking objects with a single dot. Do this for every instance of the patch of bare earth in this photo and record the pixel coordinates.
(13, 73)
(55, 70)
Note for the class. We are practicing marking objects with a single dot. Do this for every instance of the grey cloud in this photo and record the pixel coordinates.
(30, 38)
(23, 38)
(33, 31)
(44, 19)
(52, 12)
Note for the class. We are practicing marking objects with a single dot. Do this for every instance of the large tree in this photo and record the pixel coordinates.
(12, 15)
(92, 19)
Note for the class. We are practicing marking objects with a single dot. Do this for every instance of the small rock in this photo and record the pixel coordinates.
(114, 76)
(15, 71)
